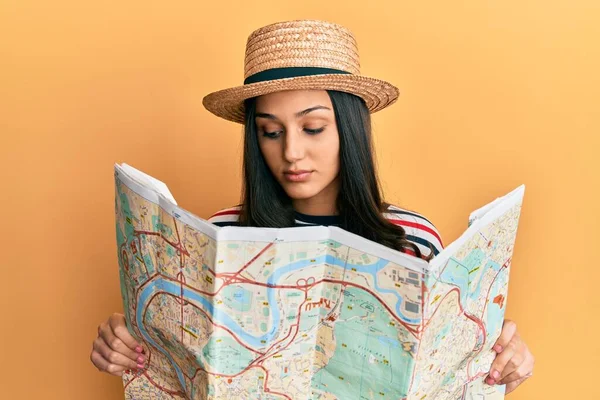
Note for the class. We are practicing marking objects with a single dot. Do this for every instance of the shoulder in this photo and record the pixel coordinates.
(226, 217)
(419, 229)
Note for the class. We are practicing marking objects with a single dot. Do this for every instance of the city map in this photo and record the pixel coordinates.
(306, 312)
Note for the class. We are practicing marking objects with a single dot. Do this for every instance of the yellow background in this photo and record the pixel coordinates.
(494, 94)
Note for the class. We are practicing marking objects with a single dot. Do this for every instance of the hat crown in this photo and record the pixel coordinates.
(300, 55)
(301, 43)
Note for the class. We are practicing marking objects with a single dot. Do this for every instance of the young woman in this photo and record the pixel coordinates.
(308, 160)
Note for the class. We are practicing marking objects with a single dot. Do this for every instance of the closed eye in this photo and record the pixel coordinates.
(314, 131)
(276, 134)
(272, 135)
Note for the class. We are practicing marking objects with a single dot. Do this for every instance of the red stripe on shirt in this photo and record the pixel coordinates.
(228, 212)
(409, 252)
(418, 226)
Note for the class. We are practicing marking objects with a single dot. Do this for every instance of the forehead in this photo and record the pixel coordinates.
(292, 101)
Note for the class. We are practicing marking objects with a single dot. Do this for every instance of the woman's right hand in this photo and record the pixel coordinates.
(115, 350)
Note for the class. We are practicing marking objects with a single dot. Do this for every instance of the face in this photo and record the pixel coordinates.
(299, 140)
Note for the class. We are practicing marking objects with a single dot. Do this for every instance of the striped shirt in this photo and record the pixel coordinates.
(419, 230)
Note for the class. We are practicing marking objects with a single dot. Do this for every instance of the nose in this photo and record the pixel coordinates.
(293, 147)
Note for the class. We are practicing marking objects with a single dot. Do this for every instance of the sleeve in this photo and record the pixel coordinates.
(419, 229)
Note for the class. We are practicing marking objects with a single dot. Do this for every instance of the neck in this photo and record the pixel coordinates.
(323, 203)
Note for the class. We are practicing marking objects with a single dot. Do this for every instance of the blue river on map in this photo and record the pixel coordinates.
(220, 316)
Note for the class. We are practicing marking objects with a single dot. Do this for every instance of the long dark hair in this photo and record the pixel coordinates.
(359, 202)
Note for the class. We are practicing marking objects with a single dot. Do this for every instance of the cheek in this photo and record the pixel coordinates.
(271, 152)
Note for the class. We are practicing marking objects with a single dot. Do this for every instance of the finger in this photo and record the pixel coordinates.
(105, 366)
(116, 344)
(119, 327)
(516, 360)
(499, 364)
(524, 371)
(509, 328)
(116, 358)
(518, 375)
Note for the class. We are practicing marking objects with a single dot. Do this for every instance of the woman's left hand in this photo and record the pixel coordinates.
(514, 362)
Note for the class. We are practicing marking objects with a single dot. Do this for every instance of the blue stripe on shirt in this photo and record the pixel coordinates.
(424, 242)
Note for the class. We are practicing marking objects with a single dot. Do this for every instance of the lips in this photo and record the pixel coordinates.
(297, 175)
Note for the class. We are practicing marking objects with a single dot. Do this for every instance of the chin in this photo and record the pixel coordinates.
(297, 192)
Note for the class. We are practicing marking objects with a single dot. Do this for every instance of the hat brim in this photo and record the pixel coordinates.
(229, 103)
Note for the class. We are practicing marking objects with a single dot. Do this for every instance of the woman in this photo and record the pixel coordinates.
(308, 159)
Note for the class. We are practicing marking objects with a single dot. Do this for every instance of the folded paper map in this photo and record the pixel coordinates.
(306, 312)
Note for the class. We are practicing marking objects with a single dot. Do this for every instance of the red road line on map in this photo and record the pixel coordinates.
(191, 288)
(182, 301)
(248, 263)
(152, 382)
(209, 318)
(141, 256)
(131, 380)
(296, 325)
(180, 276)
(135, 294)
(124, 245)
(464, 392)
(482, 328)
(440, 304)
(409, 327)
(297, 328)
(255, 363)
(504, 266)
(469, 316)
(266, 389)
(221, 375)
(149, 344)
(428, 321)
(235, 277)
(129, 275)
(177, 231)
(137, 375)
(164, 389)
(150, 233)
(267, 355)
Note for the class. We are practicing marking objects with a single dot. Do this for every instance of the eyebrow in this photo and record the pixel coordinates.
(298, 114)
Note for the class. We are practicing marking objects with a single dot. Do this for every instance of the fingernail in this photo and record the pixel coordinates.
(140, 359)
(141, 366)
(495, 374)
(489, 381)
(139, 349)
(498, 348)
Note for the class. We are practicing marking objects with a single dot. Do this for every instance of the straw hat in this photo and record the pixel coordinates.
(300, 55)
